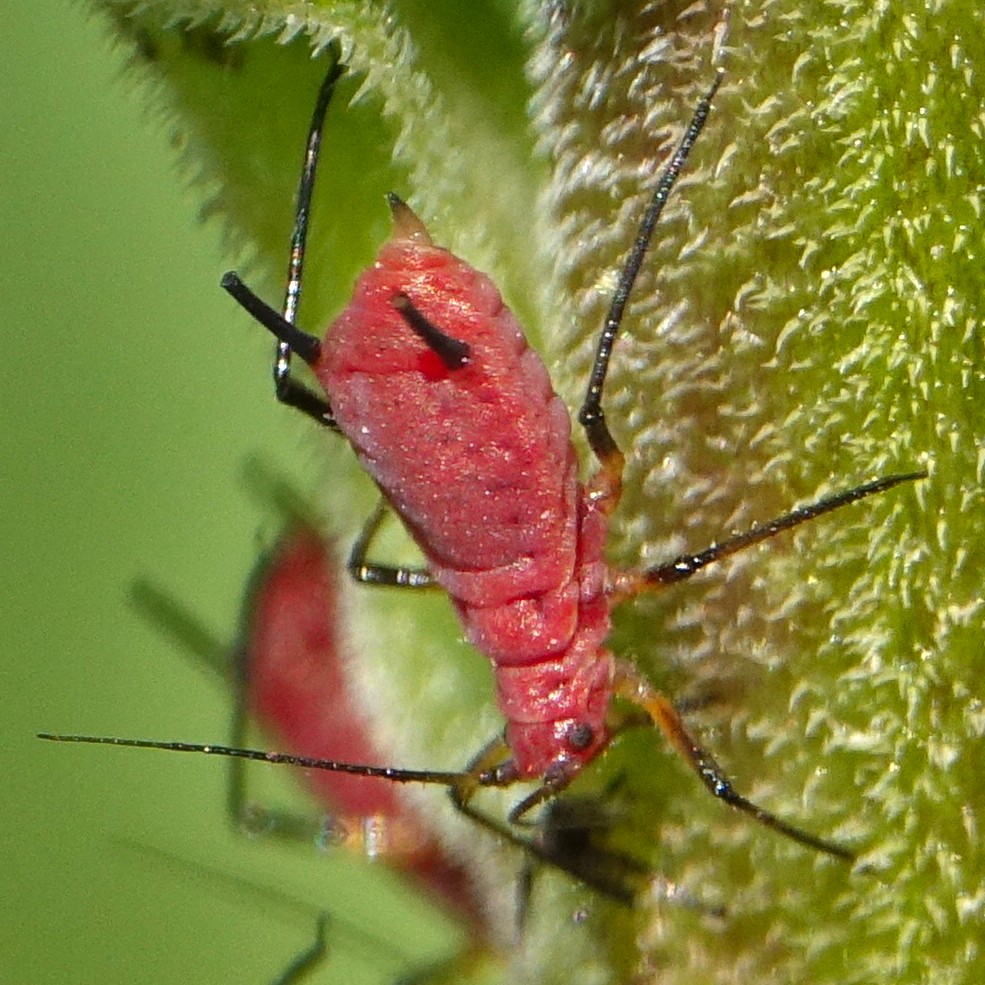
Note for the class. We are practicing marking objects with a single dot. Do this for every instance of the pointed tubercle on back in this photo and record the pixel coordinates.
(406, 224)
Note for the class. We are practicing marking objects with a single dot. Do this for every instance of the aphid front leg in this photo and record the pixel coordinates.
(494, 766)
(629, 684)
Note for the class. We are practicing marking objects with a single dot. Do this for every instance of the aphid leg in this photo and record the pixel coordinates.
(550, 788)
(290, 339)
(626, 584)
(308, 959)
(229, 665)
(163, 611)
(461, 967)
(491, 766)
(382, 574)
(629, 684)
(607, 484)
(279, 495)
(246, 814)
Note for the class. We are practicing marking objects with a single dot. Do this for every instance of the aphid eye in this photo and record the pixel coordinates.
(580, 736)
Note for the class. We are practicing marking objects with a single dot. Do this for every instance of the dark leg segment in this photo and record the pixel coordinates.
(631, 686)
(381, 574)
(621, 891)
(626, 584)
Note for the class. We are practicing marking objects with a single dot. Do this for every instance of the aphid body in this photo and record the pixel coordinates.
(295, 685)
(429, 376)
(477, 461)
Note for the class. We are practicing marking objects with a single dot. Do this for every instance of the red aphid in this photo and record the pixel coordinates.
(296, 687)
(478, 463)
(429, 376)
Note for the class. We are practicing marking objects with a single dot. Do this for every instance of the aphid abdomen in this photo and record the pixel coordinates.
(556, 706)
(476, 460)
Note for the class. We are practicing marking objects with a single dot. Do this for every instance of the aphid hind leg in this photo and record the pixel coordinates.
(629, 684)
(606, 486)
(382, 574)
(288, 390)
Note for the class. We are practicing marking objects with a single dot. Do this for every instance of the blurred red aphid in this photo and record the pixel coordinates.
(295, 686)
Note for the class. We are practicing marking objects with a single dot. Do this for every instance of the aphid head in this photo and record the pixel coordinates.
(558, 750)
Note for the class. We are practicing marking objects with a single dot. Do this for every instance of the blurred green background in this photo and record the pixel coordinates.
(125, 427)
